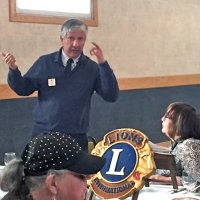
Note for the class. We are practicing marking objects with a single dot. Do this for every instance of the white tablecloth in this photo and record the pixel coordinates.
(161, 192)
(154, 192)
(1, 192)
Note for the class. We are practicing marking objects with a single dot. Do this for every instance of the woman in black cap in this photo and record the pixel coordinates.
(52, 167)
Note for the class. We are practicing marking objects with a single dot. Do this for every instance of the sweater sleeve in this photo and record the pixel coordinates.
(21, 85)
(107, 85)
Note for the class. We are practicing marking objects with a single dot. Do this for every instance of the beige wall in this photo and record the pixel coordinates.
(139, 37)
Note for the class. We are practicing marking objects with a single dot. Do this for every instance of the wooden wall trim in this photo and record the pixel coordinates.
(129, 84)
(158, 81)
(7, 93)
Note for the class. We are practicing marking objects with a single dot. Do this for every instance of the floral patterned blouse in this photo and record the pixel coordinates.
(187, 156)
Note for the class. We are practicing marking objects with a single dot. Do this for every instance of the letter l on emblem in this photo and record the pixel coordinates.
(113, 163)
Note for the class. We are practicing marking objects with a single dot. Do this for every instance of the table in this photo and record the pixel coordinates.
(161, 192)
(1, 192)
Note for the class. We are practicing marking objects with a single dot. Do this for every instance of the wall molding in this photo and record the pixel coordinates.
(128, 84)
(158, 81)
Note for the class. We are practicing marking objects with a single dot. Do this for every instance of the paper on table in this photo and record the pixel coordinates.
(1, 167)
(185, 198)
(158, 148)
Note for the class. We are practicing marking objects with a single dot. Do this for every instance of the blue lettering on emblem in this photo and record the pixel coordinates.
(121, 162)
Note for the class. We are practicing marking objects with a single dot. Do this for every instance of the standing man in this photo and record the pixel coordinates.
(65, 81)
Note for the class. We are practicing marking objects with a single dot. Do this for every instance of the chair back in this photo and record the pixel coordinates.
(91, 143)
(166, 161)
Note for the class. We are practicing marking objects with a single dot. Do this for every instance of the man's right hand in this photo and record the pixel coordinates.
(9, 59)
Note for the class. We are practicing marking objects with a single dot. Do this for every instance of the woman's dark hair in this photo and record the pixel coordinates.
(185, 118)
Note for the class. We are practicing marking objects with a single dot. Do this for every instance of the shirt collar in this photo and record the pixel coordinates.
(175, 142)
(65, 59)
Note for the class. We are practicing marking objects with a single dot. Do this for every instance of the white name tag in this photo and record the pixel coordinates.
(51, 82)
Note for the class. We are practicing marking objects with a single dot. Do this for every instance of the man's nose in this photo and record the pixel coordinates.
(75, 43)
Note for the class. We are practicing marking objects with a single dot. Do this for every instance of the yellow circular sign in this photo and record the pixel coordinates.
(129, 159)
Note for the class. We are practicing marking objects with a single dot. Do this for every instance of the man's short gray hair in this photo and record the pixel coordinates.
(72, 24)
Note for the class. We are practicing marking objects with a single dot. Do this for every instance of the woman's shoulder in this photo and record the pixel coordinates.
(191, 142)
(187, 147)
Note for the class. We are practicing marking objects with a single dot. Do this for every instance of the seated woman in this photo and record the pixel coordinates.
(52, 166)
(181, 123)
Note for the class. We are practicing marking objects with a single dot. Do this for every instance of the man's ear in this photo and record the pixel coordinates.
(51, 184)
(61, 38)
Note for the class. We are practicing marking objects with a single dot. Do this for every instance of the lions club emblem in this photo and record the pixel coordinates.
(129, 160)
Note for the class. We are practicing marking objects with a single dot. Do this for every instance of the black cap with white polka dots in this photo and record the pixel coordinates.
(58, 151)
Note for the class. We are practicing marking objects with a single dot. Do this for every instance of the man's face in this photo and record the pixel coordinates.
(73, 43)
(71, 186)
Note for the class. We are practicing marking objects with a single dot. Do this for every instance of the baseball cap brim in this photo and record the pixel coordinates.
(87, 164)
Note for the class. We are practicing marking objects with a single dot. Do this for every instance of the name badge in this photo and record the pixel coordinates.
(51, 82)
